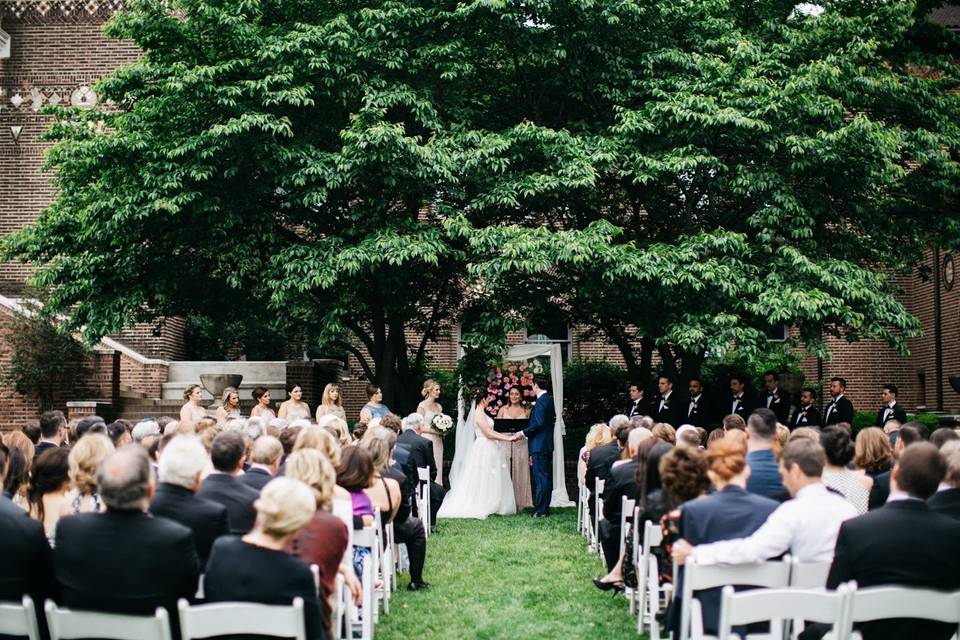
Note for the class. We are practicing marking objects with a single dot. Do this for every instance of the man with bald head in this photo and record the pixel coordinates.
(124, 560)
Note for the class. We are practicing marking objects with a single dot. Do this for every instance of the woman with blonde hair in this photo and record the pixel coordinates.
(599, 434)
(83, 461)
(384, 492)
(256, 567)
(18, 467)
(339, 425)
(230, 407)
(192, 411)
(872, 451)
(430, 408)
(331, 403)
(314, 437)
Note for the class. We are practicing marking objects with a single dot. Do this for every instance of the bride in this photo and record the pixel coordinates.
(483, 486)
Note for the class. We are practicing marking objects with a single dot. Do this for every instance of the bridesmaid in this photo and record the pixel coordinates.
(428, 409)
(262, 408)
(516, 451)
(230, 407)
(192, 411)
(331, 403)
(294, 408)
(374, 407)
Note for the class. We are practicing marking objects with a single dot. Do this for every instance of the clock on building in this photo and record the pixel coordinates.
(949, 272)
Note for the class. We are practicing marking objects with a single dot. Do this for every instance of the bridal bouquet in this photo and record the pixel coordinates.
(442, 423)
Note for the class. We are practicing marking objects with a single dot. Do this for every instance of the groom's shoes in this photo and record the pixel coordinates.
(539, 515)
(417, 586)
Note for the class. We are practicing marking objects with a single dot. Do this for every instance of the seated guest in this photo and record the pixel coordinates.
(665, 432)
(84, 459)
(355, 473)
(806, 526)
(420, 455)
(943, 435)
(947, 498)
(597, 435)
(871, 548)
(602, 459)
(264, 462)
(53, 431)
(49, 486)
(853, 485)
(731, 512)
(222, 485)
(89, 424)
(123, 560)
(764, 478)
(384, 492)
(119, 434)
(734, 422)
(181, 467)
(906, 435)
(872, 452)
(256, 567)
(688, 436)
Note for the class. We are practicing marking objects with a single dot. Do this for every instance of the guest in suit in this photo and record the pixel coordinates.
(420, 455)
(667, 406)
(181, 466)
(947, 498)
(764, 470)
(264, 462)
(601, 461)
(775, 398)
(53, 432)
(622, 484)
(256, 567)
(840, 409)
(700, 410)
(729, 513)
(741, 402)
(638, 405)
(870, 548)
(227, 455)
(807, 414)
(540, 437)
(124, 560)
(908, 435)
(891, 409)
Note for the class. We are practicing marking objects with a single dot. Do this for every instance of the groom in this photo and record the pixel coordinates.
(540, 434)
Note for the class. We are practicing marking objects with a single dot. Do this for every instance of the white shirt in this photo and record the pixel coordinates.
(693, 401)
(736, 400)
(542, 391)
(831, 407)
(806, 526)
(665, 399)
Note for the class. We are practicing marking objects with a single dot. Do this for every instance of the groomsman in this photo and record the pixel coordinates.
(890, 410)
(841, 409)
(638, 405)
(666, 406)
(775, 399)
(807, 414)
(741, 402)
(699, 410)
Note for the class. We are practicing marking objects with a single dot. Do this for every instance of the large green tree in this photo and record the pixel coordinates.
(676, 175)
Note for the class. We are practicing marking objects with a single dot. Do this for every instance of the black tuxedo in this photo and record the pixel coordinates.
(897, 414)
(746, 405)
(701, 414)
(880, 548)
(621, 484)
(237, 497)
(779, 403)
(598, 467)
(26, 564)
(256, 478)
(639, 408)
(840, 410)
(125, 562)
(206, 518)
(420, 454)
(672, 412)
(946, 502)
(805, 417)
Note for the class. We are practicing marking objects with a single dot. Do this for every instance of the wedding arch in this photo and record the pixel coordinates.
(521, 353)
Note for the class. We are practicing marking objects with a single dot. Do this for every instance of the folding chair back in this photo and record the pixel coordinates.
(881, 603)
(777, 605)
(652, 538)
(19, 619)
(809, 575)
(235, 618)
(423, 498)
(66, 624)
(598, 492)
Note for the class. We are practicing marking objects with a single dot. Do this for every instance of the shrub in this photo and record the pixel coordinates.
(593, 391)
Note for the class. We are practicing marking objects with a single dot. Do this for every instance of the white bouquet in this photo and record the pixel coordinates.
(442, 423)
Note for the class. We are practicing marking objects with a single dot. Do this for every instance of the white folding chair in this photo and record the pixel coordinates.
(384, 565)
(883, 603)
(423, 498)
(627, 505)
(597, 508)
(809, 575)
(66, 624)
(582, 497)
(337, 607)
(652, 538)
(368, 608)
(343, 509)
(698, 577)
(19, 619)
(778, 605)
(199, 596)
(248, 618)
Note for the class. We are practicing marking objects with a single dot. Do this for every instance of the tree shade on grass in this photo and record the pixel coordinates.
(508, 577)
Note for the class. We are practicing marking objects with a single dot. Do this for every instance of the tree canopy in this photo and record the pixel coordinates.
(677, 176)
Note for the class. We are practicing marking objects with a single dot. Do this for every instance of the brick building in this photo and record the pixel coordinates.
(58, 52)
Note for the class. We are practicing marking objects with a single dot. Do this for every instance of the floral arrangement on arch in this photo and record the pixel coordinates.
(501, 378)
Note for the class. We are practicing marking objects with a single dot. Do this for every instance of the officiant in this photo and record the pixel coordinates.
(516, 452)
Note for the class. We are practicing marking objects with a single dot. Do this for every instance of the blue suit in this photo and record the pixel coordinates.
(539, 433)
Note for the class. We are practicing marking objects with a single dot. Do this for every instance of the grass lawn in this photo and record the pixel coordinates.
(508, 577)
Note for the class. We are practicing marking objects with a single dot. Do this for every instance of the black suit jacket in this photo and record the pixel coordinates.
(898, 414)
(842, 412)
(701, 415)
(621, 484)
(241, 572)
(125, 562)
(673, 412)
(809, 417)
(746, 405)
(255, 478)
(779, 404)
(206, 518)
(421, 452)
(880, 548)
(237, 497)
(40, 448)
(880, 491)
(639, 408)
(946, 502)
(26, 564)
(598, 466)
(406, 491)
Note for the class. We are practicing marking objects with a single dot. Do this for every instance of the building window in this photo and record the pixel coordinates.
(778, 333)
(550, 333)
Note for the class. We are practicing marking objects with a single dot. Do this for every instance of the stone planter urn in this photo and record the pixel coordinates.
(215, 383)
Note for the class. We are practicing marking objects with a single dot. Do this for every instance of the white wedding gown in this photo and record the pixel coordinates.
(483, 486)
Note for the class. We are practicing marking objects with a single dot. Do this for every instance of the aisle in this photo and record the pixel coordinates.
(512, 577)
